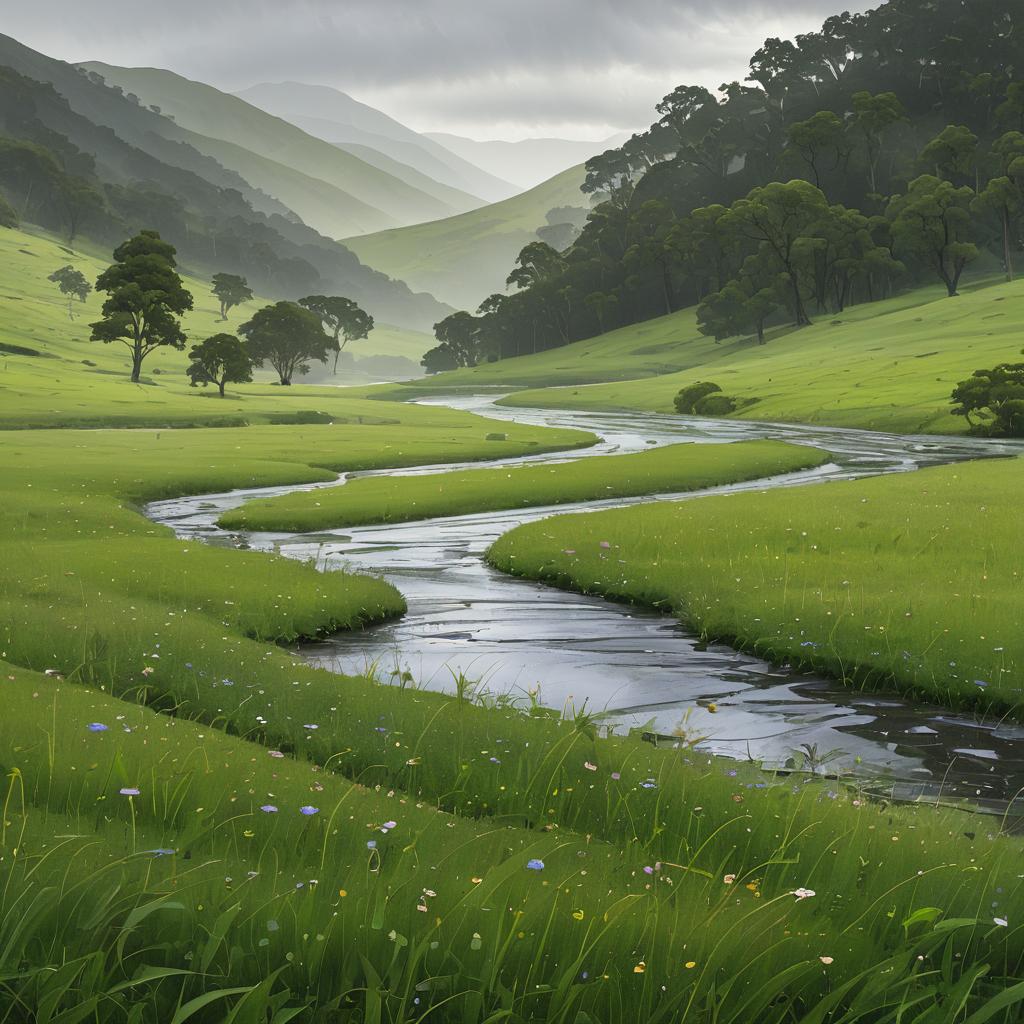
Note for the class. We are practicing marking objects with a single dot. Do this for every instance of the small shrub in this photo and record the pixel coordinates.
(715, 405)
(688, 397)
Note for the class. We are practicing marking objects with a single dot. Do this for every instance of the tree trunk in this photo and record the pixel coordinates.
(759, 326)
(136, 363)
(220, 385)
(1007, 258)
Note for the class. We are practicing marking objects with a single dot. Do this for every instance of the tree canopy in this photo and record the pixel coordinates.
(287, 337)
(342, 317)
(220, 359)
(231, 290)
(145, 297)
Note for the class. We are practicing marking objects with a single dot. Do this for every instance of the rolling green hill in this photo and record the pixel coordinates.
(388, 200)
(50, 372)
(886, 365)
(461, 260)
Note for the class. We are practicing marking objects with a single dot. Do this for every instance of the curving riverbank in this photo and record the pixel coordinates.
(639, 667)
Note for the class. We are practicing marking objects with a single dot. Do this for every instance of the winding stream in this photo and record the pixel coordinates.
(641, 668)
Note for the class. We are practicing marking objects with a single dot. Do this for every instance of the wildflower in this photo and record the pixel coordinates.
(648, 870)
(388, 826)
(275, 753)
(268, 809)
(97, 727)
(590, 767)
(826, 960)
(578, 915)
(129, 791)
(803, 894)
(569, 551)
(690, 964)
(371, 844)
(1001, 921)
(640, 968)
(729, 879)
(476, 881)
(160, 852)
(616, 776)
(148, 670)
(309, 811)
(310, 726)
(535, 864)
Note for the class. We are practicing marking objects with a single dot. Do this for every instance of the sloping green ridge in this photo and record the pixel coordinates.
(461, 260)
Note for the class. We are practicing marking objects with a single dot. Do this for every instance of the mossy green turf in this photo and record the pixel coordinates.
(78, 382)
(888, 365)
(682, 467)
(915, 580)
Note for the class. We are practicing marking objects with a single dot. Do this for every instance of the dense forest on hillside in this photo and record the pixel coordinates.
(85, 159)
(882, 151)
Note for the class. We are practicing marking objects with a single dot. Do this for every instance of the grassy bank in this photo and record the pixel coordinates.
(883, 366)
(914, 580)
(246, 875)
(683, 467)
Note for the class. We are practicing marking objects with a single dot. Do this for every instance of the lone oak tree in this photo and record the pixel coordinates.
(231, 290)
(288, 337)
(219, 359)
(146, 296)
(342, 317)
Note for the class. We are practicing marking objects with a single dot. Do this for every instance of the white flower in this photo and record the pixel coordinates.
(803, 894)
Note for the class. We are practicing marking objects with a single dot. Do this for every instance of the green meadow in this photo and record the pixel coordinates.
(887, 365)
(52, 375)
(390, 499)
(913, 581)
(199, 826)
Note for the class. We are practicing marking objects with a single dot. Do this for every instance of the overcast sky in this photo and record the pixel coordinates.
(487, 69)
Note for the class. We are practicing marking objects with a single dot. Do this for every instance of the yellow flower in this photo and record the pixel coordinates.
(690, 964)
(578, 914)
(640, 968)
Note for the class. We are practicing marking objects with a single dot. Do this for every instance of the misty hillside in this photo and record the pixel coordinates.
(222, 116)
(338, 118)
(464, 259)
(129, 167)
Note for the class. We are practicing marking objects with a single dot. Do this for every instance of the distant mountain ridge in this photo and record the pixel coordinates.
(144, 170)
(369, 198)
(529, 161)
(336, 117)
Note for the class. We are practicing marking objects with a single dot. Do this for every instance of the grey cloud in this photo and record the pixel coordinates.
(476, 66)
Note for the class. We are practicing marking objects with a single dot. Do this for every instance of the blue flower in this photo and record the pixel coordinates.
(129, 791)
(268, 809)
(309, 811)
(372, 844)
(97, 727)
(535, 864)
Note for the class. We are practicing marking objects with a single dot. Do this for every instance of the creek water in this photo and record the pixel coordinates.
(639, 668)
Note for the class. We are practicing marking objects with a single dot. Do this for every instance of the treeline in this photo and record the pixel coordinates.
(882, 151)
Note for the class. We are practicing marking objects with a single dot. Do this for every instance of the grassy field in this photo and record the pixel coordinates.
(887, 366)
(461, 260)
(199, 827)
(682, 467)
(915, 580)
(67, 380)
